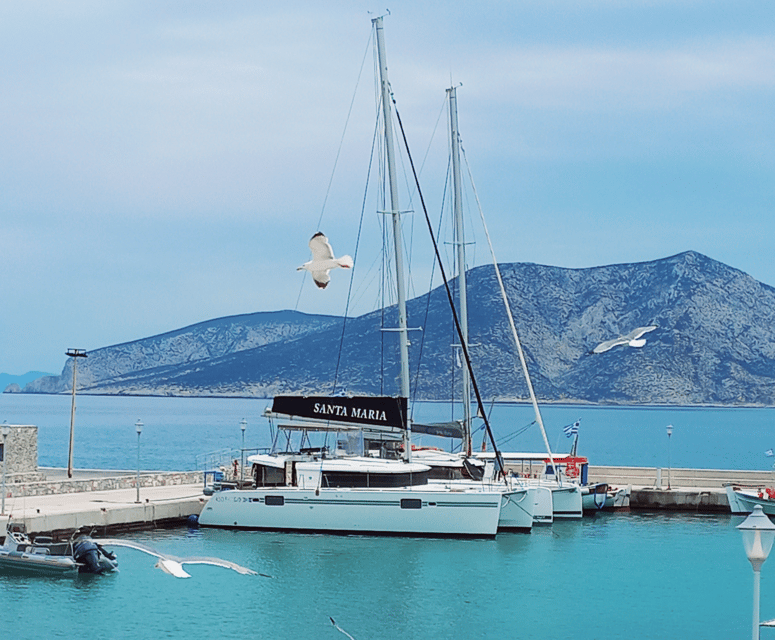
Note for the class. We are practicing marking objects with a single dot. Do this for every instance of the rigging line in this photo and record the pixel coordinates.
(357, 246)
(344, 131)
(509, 437)
(511, 318)
(427, 308)
(411, 192)
(463, 344)
(336, 161)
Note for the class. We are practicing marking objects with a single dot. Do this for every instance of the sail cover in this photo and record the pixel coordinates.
(443, 429)
(383, 411)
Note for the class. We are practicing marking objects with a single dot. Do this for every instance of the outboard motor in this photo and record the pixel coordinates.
(87, 555)
(91, 557)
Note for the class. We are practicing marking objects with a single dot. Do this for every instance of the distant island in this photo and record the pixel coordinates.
(14, 384)
(714, 343)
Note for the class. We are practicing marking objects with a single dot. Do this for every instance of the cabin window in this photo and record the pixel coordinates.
(274, 501)
(445, 473)
(268, 476)
(373, 480)
(411, 503)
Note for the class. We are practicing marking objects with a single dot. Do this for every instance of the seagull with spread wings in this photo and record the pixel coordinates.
(632, 339)
(323, 260)
(174, 565)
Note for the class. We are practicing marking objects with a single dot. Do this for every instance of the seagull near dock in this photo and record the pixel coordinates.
(174, 565)
(633, 339)
(323, 260)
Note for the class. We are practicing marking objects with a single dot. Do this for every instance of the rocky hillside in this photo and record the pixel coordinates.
(141, 364)
(715, 342)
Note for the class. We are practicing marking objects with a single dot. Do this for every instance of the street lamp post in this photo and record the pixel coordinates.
(242, 425)
(139, 429)
(74, 354)
(669, 433)
(5, 431)
(758, 536)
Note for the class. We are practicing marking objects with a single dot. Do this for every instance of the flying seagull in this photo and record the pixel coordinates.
(174, 565)
(338, 628)
(323, 260)
(633, 339)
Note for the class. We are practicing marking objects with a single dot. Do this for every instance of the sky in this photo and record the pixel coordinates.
(165, 163)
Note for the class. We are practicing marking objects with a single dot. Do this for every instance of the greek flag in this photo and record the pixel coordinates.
(571, 430)
(769, 453)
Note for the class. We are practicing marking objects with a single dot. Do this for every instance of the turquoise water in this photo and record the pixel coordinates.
(178, 429)
(609, 577)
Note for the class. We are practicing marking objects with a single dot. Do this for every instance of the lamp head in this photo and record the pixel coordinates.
(5, 430)
(243, 425)
(139, 427)
(669, 430)
(758, 536)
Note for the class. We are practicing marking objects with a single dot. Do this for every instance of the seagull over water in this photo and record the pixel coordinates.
(323, 260)
(633, 339)
(174, 565)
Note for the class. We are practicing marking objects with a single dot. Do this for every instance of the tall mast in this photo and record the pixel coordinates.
(457, 208)
(395, 212)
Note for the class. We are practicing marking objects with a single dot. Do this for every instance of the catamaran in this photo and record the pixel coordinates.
(360, 477)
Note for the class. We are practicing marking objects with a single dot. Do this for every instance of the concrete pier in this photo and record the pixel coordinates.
(697, 490)
(105, 501)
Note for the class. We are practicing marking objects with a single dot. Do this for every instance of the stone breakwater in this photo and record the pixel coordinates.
(108, 483)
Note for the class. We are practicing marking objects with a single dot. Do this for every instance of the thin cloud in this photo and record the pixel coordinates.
(594, 78)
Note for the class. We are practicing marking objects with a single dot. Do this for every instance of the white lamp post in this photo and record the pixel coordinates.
(5, 431)
(242, 425)
(669, 433)
(139, 429)
(758, 536)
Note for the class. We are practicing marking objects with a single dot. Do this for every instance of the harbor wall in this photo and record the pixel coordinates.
(105, 483)
(662, 478)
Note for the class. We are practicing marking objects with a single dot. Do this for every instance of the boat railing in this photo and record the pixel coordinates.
(224, 458)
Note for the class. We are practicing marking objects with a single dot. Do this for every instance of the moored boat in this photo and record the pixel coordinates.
(743, 501)
(352, 482)
(367, 482)
(601, 496)
(43, 556)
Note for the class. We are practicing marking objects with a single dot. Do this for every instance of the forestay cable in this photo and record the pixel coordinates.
(511, 321)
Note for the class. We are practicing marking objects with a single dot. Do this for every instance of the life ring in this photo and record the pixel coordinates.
(571, 469)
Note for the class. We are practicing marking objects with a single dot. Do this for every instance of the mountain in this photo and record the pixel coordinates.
(714, 342)
(13, 384)
(141, 365)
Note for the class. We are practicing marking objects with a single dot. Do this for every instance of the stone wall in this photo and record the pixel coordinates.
(158, 479)
(21, 454)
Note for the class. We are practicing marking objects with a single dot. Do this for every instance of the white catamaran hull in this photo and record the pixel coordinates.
(553, 501)
(357, 510)
(566, 502)
(517, 510)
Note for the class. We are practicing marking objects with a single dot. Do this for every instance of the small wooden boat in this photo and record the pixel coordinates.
(42, 555)
(602, 496)
(744, 500)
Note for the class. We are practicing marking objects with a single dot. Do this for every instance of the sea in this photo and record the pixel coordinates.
(619, 575)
